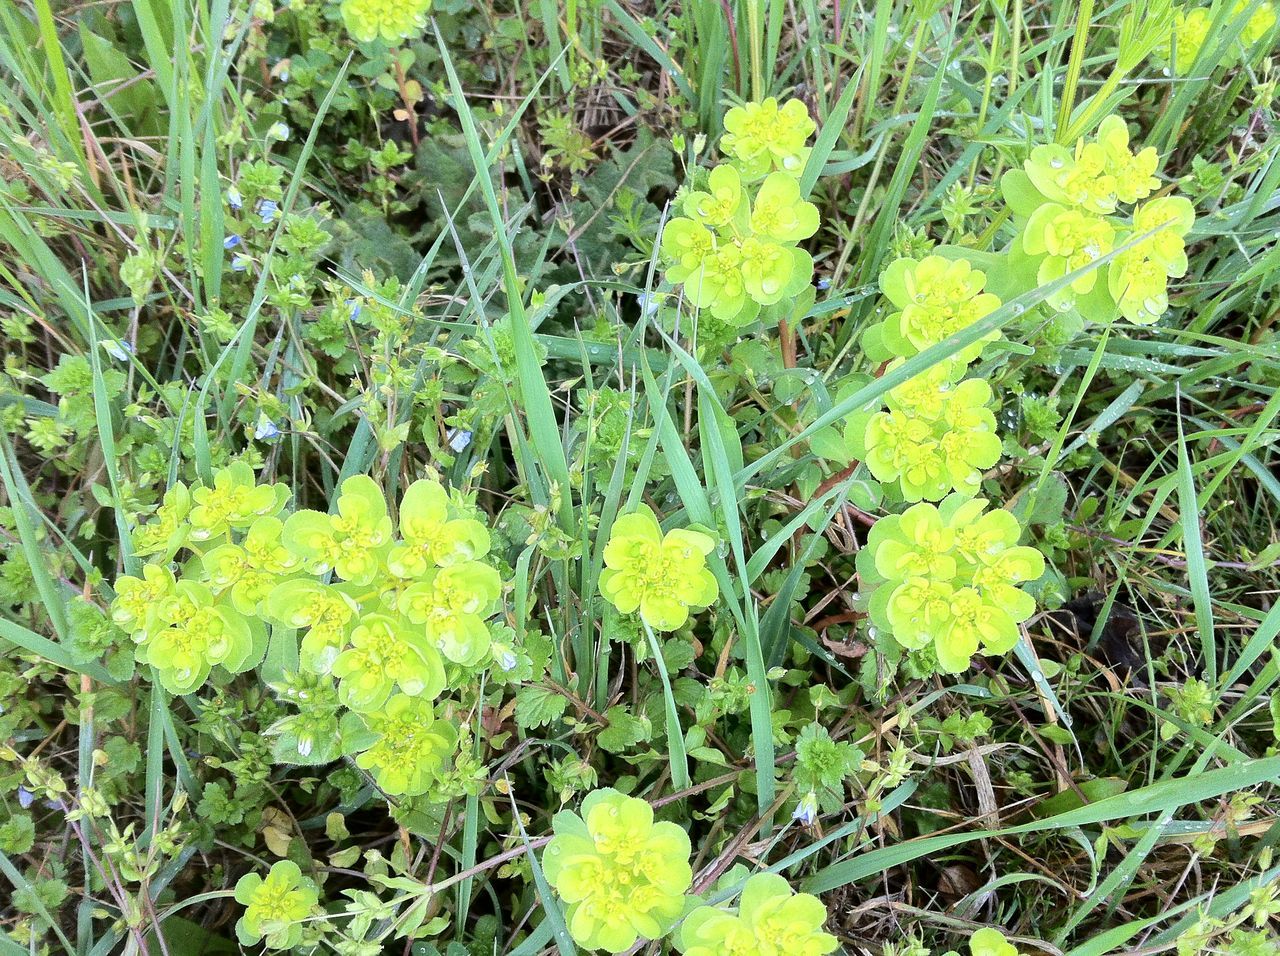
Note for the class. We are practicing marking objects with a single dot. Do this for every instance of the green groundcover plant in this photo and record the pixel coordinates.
(728, 480)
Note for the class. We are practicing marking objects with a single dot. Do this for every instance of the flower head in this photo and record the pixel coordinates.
(187, 632)
(1259, 23)
(390, 20)
(735, 253)
(1190, 31)
(383, 655)
(936, 297)
(771, 920)
(432, 536)
(275, 907)
(252, 568)
(1140, 287)
(661, 576)
(1168, 219)
(1082, 177)
(623, 876)
(1067, 239)
(325, 609)
(764, 137)
(411, 748)
(949, 577)
(353, 541)
(991, 942)
(1134, 175)
(234, 502)
(936, 437)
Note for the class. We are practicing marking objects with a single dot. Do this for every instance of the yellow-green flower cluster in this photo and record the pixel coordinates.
(934, 297)
(1181, 48)
(735, 252)
(275, 907)
(989, 942)
(771, 920)
(625, 879)
(936, 436)
(761, 138)
(407, 613)
(389, 20)
(734, 249)
(660, 576)
(947, 577)
(623, 875)
(1068, 201)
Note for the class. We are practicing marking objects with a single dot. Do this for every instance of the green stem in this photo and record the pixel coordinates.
(1078, 44)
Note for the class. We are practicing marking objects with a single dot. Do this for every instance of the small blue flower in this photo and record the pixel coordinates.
(267, 209)
(266, 429)
(807, 810)
(355, 309)
(234, 199)
(240, 263)
(279, 131)
(230, 242)
(824, 283)
(25, 797)
(505, 657)
(459, 439)
(118, 350)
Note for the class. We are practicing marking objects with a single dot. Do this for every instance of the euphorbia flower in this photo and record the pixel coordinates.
(235, 501)
(188, 632)
(1140, 287)
(323, 608)
(936, 297)
(721, 204)
(252, 568)
(780, 214)
(411, 748)
(1068, 239)
(948, 576)
(275, 907)
(1190, 31)
(1171, 217)
(771, 920)
(935, 438)
(661, 576)
(623, 876)
(384, 655)
(431, 538)
(388, 20)
(1134, 175)
(761, 138)
(353, 541)
(1080, 178)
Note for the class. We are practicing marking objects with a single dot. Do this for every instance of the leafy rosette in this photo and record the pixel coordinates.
(623, 875)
